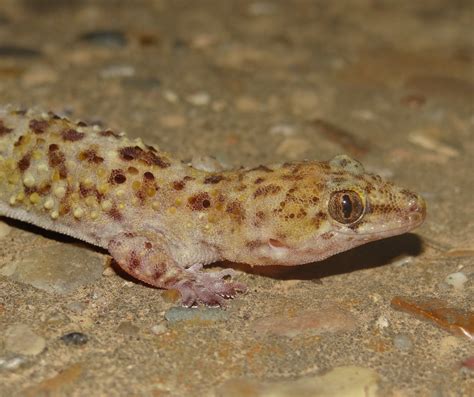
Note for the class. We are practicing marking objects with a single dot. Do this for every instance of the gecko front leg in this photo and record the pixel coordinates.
(148, 260)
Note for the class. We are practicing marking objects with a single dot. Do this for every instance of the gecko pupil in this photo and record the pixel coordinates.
(346, 206)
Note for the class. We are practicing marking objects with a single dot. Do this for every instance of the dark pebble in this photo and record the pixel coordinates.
(18, 52)
(105, 38)
(75, 338)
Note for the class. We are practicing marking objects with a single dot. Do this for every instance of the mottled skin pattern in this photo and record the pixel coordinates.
(161, 219)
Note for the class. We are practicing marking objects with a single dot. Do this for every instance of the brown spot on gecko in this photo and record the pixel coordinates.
(24, 162)
(236, 210)
(266, 190)
(137, 153)
(213, 179)
(132, 170)
(319, 218)
(38, 126)
(134, 261)
(253, 244)
(327, 236)
(130, 153)
(148, 176)
(178, 185)
(117, 177)
(57, 160)
(72, 135)
(148, 245)
(200, 201)
(260, 217)
(91, 156)
(151, 158)
(81, 123)
(115, 214)
(64, 208)
(86, 191)
(109, 133)
(259, 180)
(19, 141)
(44, 189)
(4, 130)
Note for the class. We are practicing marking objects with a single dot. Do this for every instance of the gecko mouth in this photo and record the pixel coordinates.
(415, 219)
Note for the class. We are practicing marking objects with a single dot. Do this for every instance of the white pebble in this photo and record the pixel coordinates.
(158, 329)
(382, 322)
(456, 280)
(170, 96)
(402, 342)
(199, 99)
(283, 130)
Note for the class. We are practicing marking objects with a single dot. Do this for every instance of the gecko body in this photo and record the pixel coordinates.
(162, 219)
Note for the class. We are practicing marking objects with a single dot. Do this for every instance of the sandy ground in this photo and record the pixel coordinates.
(390, 83)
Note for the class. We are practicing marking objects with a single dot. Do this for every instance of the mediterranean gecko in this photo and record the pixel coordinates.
(162, 219)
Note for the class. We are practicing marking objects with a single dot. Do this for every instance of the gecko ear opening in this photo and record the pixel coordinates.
(278, 248)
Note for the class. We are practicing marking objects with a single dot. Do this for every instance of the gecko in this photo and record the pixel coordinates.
(162, 219)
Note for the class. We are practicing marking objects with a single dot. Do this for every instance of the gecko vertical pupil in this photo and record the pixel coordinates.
(346, 206)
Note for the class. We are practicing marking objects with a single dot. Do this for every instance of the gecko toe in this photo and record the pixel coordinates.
(210, 289)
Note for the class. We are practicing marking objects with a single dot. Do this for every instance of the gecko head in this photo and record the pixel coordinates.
(333, 207)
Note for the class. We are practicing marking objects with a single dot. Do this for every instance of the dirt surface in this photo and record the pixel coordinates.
(390, 83)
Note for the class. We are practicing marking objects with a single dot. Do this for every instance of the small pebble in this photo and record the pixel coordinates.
(456, 280)
(170, 96)
(18, 52)
(45, 270)
(347, 381)
(403, 342)
(127, 328)
(109, 271)
(75, 338)
(176, 314)
(19, 338)
(11, 362)
(199, 98)
(116, 71)
(382, 322)
(326, 320)
(105, 38)
(159, 329)
(283, 130)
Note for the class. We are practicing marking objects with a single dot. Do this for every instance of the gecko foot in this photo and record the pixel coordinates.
(208, 288)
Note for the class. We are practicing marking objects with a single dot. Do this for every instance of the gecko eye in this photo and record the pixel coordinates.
(346, 206)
